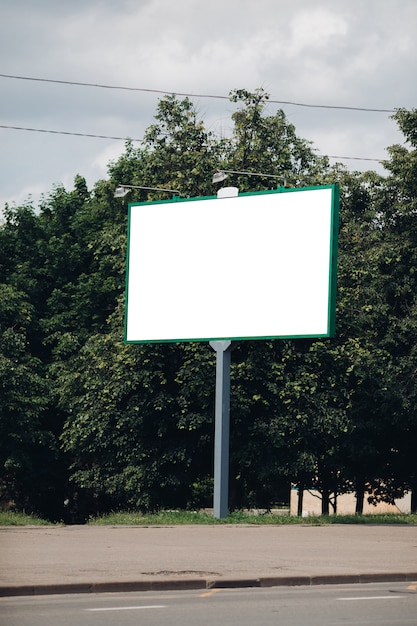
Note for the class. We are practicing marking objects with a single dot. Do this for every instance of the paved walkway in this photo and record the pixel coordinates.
(35, 560)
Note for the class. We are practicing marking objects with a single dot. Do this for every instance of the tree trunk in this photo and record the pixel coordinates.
(360, 495)
(300, 499)
(325, 499)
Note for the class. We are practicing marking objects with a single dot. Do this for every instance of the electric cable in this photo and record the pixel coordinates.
(193, 95)
(91, 135)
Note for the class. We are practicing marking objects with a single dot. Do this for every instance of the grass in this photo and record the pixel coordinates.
(170, 518)
(13, 518)
(173, 518)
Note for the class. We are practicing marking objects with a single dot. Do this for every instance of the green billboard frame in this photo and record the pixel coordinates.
(230, 248)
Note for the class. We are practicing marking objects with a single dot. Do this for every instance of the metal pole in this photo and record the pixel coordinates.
(222, 428)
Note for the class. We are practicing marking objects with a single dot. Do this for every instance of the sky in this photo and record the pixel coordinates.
(360, 54)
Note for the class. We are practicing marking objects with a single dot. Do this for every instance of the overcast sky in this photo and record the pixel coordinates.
(357, 53)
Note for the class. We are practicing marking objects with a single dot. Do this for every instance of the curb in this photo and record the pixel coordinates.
(191, 584)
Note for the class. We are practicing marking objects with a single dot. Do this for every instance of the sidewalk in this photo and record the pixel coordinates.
(38, 560)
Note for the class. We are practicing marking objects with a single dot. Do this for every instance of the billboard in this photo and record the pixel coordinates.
(256, 266)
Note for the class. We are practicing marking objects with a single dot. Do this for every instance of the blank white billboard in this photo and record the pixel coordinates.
(253, 266)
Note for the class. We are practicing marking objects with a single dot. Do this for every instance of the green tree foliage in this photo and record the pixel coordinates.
(397, 281)
(181, 153)
(178, 147)
(27, 447)
(107, 425)
(138, 440)
(268, 144)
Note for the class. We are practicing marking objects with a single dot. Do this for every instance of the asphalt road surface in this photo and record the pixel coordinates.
(391, 604)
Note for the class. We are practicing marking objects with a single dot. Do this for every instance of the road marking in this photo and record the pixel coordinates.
(128, 608)
(209, 593)
(412, 587)
(373, 598)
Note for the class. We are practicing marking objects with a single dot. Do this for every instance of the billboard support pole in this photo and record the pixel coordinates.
(222, 428)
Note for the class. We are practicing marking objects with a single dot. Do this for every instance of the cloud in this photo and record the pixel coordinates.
(356, 54)
(315, 30)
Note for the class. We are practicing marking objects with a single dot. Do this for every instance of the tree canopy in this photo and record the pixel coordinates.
(89, 420)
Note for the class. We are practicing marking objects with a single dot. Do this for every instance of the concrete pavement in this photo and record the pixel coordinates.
(65, 559)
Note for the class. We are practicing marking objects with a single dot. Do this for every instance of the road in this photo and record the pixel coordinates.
(328, 605)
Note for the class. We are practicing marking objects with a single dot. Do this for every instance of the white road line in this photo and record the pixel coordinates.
(128, 608)
(373, 598)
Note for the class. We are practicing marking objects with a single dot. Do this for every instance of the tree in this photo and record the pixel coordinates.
(27, 445)
(134, 439)
(181, 153)
(268, 144)
(136, 422)
(397, 281)
(178, 147)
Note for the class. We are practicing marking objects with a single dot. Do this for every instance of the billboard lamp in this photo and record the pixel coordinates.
(122, 190)
(221, 175)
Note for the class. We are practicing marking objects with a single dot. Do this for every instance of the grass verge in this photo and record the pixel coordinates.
(173, 518)
(13, 518)
(170, 518)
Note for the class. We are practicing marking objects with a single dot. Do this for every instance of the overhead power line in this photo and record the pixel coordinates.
(193, 95)
(63, 132)
(331, 156)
